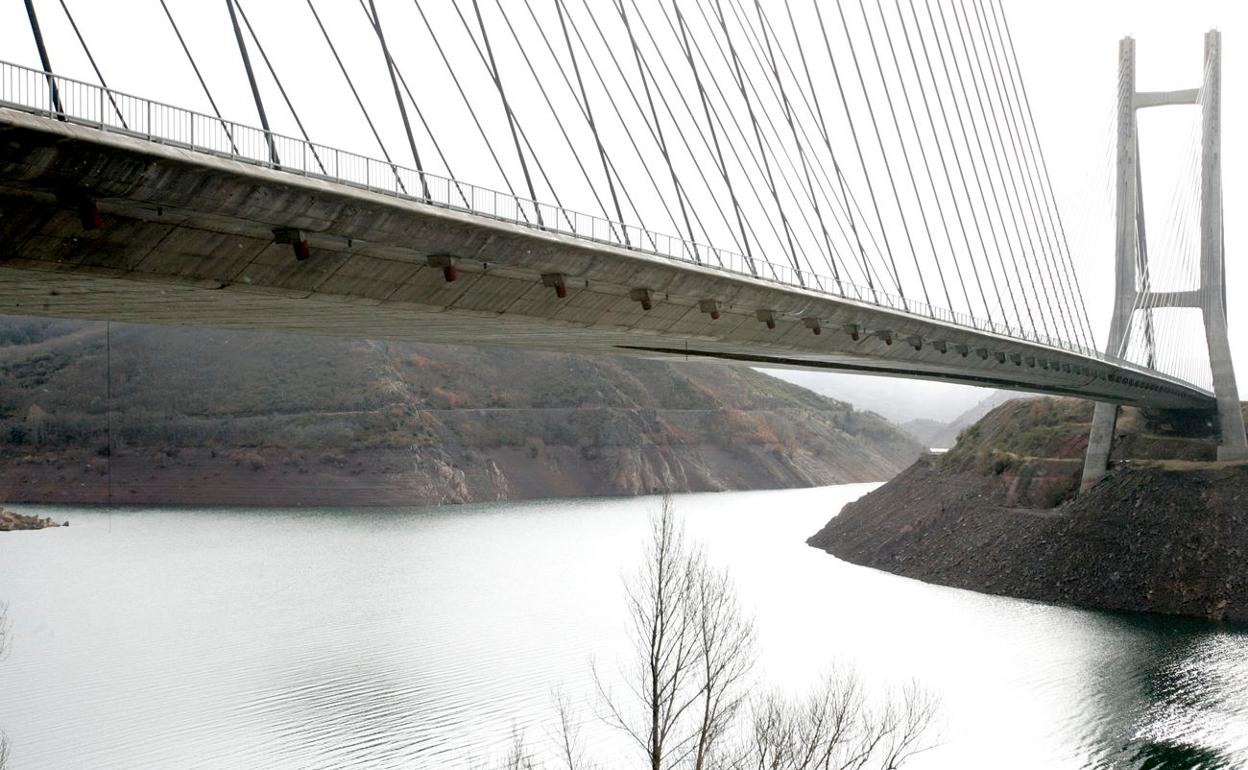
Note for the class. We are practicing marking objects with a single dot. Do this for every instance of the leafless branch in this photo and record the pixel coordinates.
(518, 757)
(567, 738)
(4, 650)
(726, 652)
(834, 729)
(5, 628)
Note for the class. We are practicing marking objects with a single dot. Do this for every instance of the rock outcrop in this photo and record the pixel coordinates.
(999, 514)
(11, 521)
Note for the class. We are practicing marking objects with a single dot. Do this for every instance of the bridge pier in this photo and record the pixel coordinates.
(1232, 444)
(1100, 443)
(1133, 290)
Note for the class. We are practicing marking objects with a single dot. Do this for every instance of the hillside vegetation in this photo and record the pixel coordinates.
(211, 416)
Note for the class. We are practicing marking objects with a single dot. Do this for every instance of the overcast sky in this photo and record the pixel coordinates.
(1068, 54)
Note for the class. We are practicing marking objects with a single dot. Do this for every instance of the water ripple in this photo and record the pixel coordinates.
(426, 639)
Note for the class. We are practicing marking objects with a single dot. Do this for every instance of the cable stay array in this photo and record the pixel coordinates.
(885, 151)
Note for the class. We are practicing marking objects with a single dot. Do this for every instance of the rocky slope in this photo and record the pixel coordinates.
(998, 514)
(217, 417)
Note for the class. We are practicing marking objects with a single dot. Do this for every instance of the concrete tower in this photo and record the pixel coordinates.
(1132, 288)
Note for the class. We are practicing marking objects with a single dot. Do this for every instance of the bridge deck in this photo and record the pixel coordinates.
(189, 239)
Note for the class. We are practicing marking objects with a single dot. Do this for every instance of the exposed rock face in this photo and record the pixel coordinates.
(216, 417)
(11, 521)
(1156, 535)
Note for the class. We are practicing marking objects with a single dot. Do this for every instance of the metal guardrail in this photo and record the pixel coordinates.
(31, 90)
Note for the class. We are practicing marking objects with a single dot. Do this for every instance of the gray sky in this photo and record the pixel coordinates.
(1068, 53)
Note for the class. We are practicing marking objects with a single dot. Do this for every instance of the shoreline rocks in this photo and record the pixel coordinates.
(11, 521)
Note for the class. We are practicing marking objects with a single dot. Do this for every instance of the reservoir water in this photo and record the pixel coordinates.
(427, 638)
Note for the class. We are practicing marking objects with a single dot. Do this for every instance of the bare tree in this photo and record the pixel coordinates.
(726, 654)
(802, 735)
(694, 651)
(663, 630)
(519, 757)
(907, 723)
(567, 738)
(834, 728)
(688, 682)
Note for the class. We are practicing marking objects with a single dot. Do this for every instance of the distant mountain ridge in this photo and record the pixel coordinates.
(942, 435)
(929, 433)
(899, 399)
(203, 416)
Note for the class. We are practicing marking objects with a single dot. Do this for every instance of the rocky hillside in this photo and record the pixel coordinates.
(217, 417)
(998, 513)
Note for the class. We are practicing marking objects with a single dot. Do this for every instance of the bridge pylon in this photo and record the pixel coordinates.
(1133, 292)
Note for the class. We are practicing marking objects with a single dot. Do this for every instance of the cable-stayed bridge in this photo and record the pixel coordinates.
(855, 186)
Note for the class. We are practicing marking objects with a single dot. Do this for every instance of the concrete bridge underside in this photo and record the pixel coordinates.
(188, 238)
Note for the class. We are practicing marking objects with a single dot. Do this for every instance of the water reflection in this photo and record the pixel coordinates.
(1164, 756)
(1167, 696)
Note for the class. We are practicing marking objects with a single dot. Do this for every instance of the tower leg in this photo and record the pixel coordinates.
(1100, 443)
(1129, 227)
(1232, 444)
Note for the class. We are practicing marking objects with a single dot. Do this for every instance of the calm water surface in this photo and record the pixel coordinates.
(425, 637)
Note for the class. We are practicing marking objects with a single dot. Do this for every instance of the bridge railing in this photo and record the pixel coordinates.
(87, 104)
